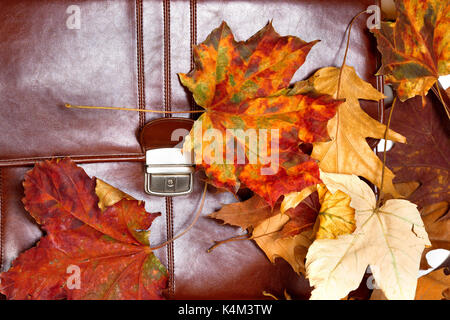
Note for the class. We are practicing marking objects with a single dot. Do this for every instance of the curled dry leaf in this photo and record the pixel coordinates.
(288, 235)
(244, 89)
(348, 151)
(108, 195)
(293, 249)
(278, 235)
(415, 48)
(390, 240)
(434, 285)
(302, 217)
(336, 216)
(293, 199)
(108, 250)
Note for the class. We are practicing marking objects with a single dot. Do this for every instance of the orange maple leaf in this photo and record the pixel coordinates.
(243, 86)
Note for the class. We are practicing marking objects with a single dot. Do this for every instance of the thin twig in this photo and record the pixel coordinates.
(197, 215)
(346, 52)
(383, 168)
(339, 81)
(130, 109)
(437, 91)
(238, 238)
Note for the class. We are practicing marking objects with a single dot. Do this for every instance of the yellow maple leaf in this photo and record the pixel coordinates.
(336, 217)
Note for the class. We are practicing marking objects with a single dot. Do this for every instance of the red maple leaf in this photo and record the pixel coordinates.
(87, 253)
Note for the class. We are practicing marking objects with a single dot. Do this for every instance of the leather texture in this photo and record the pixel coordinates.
(45, 65)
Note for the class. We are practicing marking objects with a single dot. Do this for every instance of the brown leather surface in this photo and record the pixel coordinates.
(158, 133)
(45, 65)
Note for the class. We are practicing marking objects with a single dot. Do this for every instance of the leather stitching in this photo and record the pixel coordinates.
(170, 246)
(167, 67)
(140, 61)
(167, 107)
(193, 32)
(2, 217)
(76, 158)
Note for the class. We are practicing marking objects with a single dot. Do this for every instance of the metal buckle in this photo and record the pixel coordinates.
(169, 172)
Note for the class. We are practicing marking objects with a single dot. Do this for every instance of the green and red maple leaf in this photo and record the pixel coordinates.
(245, 85)
(415, 48)
(110, 248)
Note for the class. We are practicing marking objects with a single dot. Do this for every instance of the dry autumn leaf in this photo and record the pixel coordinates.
(434, 286)
(288, 235)
(436, 218)
(108, 195)
(425, 158)
(293, 199)
(245, 214)
(243, 87)
(278, 235)
(109, 250)
(302, 217)
(336, 217)
(389, 240)
(348, 151)
(415, 48)
(293, 249)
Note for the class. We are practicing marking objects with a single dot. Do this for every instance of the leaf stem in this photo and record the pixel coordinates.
(69, 106)
(437, 91)
(197, 216)
(383, 168)
(238, 238)
(346, 51)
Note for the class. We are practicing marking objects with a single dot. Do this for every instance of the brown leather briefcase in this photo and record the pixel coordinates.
(127, 54)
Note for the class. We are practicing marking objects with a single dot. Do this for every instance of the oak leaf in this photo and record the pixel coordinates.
(109, 251)
(293, 249)
(286, 235)
(245, 214)
(390, 240)
(415, 48)
(348, 151)
(243, 87)
(289, 234)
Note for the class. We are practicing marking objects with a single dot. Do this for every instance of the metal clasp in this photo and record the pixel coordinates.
(169, 172)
